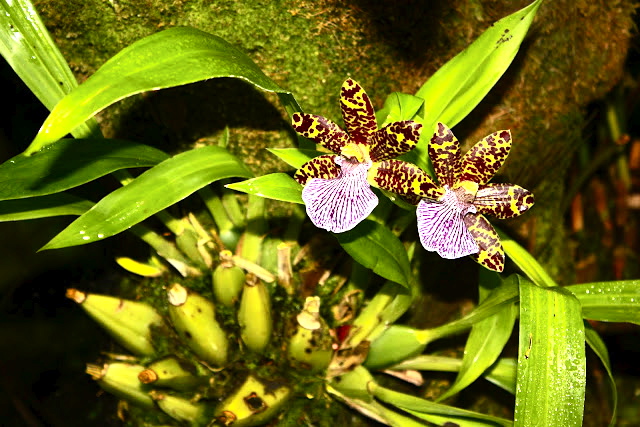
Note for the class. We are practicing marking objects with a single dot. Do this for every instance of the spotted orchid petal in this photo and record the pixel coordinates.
(357, 112)
(324, 167)
(339, 204)
(444, 152)
(394, 140)
(442, 229)
(321, 131)
(491, 254)
(503, 200)
(404, 179)
(484, 159)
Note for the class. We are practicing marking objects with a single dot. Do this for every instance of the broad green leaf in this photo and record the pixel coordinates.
(600, 349)
(277, 186)
(154, 190)
(70, 163)
(375, 247)
(27, 46)
(399, 343)
(43, 207)
(484, 345)
(551, 358)
(172, 57)
(436, 413)
(502, 373)
(617, 301)
(460, 84)
(525, 261)
(400, 106)
(295, 157)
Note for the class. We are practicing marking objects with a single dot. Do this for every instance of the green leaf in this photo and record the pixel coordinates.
(502, 373)
(617, 301)
(551, 358)
(276, 186)
(172, 57)
(70, 163)
(399, 343)
(29, 49)
(398, 107)
(436, 413)
(460, 84)
(295, 157)
(154, 190)
(374, 246)
(43, 207)
(484, 345)
(527, 263)
(600, 349)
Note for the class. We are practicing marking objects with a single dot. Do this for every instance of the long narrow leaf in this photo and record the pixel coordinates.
(485, 343)
(172, 57)
(434, 412)
(459, 85)
(487, 338)
(27, 46)
(294, 157)
(43, 207)
(70, 163)
(527, 263)
(617, 301)
(159, 187)
(551, 358)
(399, 343)
(502, 373)
(277, 186)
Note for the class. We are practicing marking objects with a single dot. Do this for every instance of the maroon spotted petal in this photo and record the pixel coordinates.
(503, 200)
(321, 131)
(444, 152)
(394, 140)
(324, 166)
(357, 112)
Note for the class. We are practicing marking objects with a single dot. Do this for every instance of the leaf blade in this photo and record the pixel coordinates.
(617, 301)
(377, 248)
(59, 204)
(551, 358)
(154, 190)
(70, 163)
(172, 57)
(276, 186)
(459, 85)
(29, 49)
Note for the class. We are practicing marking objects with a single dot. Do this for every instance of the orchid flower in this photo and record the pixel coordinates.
(453, 223)
(337, 191)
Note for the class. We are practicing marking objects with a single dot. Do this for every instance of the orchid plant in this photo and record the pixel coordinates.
(235, 338)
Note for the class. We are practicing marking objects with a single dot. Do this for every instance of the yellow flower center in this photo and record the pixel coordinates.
(466, 191)
(357, 152)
